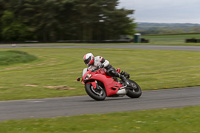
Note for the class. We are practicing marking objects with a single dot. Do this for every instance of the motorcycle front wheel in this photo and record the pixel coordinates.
(135, 91)
(98, 94)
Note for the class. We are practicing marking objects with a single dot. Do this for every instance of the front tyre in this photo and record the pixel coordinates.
(98, 94)
(134, 91)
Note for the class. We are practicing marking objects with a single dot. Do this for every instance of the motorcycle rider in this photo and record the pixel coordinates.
(99, 62)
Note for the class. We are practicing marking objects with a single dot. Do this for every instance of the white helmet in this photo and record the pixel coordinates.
(88, 59)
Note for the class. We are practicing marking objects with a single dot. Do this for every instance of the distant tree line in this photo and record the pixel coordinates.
(167, 28)
(51, 20)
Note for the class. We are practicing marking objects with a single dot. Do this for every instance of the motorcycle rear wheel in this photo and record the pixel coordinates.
(135, 91)
(96, 94)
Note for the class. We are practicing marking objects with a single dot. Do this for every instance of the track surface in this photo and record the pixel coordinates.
(54, 107)
(78, 105)
(161, 47)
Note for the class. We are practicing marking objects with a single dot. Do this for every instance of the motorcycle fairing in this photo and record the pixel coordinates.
(110, 85)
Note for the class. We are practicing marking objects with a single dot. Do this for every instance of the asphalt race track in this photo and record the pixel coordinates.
(159, 47)
(78, 105)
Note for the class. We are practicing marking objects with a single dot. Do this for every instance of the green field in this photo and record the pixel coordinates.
(55, 71)
(172, 39)
(181, 120)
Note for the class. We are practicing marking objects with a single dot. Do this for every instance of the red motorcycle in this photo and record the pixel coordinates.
(99, 86)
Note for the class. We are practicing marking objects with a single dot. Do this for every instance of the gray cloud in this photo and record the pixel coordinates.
(177, 11)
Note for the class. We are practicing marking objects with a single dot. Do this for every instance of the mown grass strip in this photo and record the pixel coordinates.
(181, 120)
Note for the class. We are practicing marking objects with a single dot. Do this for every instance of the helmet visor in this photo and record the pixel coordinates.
(87, 60)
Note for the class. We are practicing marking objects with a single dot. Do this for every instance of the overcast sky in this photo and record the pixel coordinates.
(167, 11)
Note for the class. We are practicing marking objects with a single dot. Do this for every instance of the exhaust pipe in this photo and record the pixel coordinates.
(122, 92)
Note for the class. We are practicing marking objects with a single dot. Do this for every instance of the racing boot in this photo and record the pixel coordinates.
(124, 80)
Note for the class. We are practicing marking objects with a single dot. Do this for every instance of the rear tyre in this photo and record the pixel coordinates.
(134, 91)
(98, 94)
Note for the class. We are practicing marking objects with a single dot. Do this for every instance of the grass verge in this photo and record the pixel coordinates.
(55, 71)
(154, 40)
(13, 57)
(181, 120)
(172, 39)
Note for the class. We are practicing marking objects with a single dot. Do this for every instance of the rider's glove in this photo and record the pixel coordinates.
(98, 67)
(101, 66)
